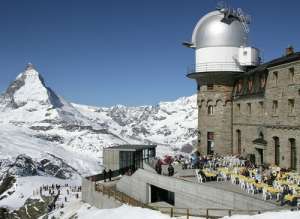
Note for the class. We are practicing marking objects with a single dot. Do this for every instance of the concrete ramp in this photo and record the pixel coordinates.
(95, 198)
(188, 194)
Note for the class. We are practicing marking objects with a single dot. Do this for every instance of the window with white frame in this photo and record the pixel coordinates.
(275, 77)
(275, 107)
(210, 110)
(261, 107)
(291, 104)
(249, 108)
(291, 75)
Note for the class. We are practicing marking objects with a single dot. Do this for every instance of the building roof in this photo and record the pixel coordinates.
(134, 147)
(256, 74)
(279, 61)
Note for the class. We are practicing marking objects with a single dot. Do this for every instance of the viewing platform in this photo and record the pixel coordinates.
(182, 191)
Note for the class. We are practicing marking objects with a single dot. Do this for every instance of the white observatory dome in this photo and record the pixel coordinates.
(220, 40)
(213, 30)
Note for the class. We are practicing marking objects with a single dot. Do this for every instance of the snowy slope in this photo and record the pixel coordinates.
(24, 187)
(124, 212)
(45, 139)
(37, 122)
(19, 140)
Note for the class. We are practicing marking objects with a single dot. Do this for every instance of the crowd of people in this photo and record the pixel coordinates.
(273, 182)
(59, 197)
(158, 167)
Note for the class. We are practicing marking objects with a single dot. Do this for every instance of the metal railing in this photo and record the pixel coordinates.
(214, 66)
(115, 173)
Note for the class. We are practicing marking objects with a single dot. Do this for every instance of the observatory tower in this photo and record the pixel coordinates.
(222, 53)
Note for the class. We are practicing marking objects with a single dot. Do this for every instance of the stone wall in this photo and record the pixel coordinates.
(219, 122)
(262, 120)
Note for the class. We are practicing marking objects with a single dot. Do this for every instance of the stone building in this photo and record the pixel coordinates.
(244, 107)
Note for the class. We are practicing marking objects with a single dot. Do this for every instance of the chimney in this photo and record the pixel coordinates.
(289, 51)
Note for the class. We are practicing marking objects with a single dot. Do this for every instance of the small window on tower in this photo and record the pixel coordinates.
(261, 108)
(291, 75)
(275, 107)
(210, 110)
(238, 108)
(275, 78)
(249, 108)
(240, 85)
(250, 85)
(210, 87)
(262, 81)
(291, 104)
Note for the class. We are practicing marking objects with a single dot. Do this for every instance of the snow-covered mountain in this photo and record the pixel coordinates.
(169, 124)
(42, 136)
(38, 123)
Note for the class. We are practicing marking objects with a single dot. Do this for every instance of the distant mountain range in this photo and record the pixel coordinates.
(39, 124)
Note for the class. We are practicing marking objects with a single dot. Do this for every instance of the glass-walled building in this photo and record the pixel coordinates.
(127, 157)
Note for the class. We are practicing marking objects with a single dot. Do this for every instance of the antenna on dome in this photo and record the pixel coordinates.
(221, 5)
(244, 18)
(231, 13)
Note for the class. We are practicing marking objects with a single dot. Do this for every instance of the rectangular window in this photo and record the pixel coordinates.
(210, 110)
(293, 154)
(249, 108)
(291, 103)
(275, 107)
(238, 108)
(210, 87)
(210, 142)
(275, 78)
(261, 108)
(291, 75)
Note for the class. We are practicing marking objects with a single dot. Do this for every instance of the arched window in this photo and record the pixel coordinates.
(250, 85)
(292, 142)
(277, 150)
(262, 81)
(240, 86)
(261, 135)
(210, 110)
(239, 141)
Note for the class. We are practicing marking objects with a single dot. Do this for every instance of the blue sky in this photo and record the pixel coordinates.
(101, 52)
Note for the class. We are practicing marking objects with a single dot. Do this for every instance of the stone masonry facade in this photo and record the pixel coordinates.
(256, 116)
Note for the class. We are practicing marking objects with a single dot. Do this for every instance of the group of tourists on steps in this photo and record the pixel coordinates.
(107, 174)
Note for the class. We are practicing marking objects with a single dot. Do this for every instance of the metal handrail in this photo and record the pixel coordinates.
(214, 66)
(115, 173)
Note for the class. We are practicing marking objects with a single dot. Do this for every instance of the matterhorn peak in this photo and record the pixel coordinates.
(29, 66)
(30, 70)
(28, 89)
(28, 98)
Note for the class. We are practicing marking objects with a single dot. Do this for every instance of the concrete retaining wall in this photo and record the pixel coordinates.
(97, 199)
(188, 194)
